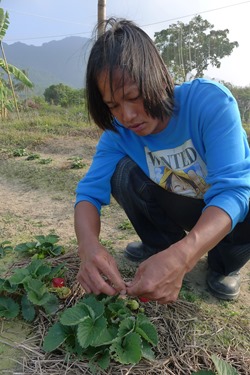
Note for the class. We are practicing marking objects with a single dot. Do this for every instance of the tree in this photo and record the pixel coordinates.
(242, 95)
(188, 49)
(63, 95)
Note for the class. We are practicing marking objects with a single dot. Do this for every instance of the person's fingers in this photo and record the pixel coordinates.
(114, 278)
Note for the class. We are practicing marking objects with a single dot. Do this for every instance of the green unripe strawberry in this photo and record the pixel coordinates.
(133, 304)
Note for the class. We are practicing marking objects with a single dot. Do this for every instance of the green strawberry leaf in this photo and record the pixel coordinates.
(52, 304)
(96, 306)
(147, 352)
(75, 315)
(6, 286)
(28, 309)
(127, 350)
(8, 308)
(19, 276)
(55, 337)
(126, 326)
(146, 329)
(104, 360)
(89, 332)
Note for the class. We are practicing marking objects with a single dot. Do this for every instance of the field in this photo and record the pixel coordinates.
(42, 157)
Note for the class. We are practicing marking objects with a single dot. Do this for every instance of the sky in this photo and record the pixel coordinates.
(35, 22)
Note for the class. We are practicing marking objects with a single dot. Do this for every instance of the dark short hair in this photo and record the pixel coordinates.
(125, 46)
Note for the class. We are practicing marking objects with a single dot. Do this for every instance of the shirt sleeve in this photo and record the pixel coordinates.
(226, 152)
(95, 186)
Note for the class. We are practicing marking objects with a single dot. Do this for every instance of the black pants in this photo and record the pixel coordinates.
(161, 218)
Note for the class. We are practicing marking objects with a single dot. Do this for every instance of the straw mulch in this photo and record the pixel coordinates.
(182, 347)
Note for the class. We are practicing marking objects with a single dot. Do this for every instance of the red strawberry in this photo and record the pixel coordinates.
(144, 299)
(58, 282)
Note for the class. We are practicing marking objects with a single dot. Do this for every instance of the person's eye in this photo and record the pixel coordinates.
(111, 107)
(134, 98)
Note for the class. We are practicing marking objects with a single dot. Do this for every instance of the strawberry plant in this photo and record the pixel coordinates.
(19, 152)
(29, 289)
(33, 157)
(77, 163)
(101, 328)
(44, 246)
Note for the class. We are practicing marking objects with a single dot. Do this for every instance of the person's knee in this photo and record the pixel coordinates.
(121, 177)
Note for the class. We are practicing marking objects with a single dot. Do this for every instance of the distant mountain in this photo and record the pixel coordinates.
(55, 62)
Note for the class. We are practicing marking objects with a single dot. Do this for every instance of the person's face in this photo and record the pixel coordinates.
(126, 104)
(182, 187)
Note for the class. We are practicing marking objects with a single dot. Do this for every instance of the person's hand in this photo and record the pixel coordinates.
(159, 278)
(98, 272)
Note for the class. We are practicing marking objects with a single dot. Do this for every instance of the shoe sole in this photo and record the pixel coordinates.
(133, 259)
(226, 297)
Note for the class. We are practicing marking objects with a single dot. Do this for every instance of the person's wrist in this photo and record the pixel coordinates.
(190, 250)
(86, 246)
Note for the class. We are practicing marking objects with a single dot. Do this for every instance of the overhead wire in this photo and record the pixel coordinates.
(87, 32)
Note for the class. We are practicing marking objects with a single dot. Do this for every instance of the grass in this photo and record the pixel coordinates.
(38, 176)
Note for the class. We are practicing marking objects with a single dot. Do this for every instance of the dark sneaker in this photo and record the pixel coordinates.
(138, 252)
(224, 287)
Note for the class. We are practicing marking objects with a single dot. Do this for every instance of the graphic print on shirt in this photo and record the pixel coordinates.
(179, 170)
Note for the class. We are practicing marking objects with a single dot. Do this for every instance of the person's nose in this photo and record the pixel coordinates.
(128, 113)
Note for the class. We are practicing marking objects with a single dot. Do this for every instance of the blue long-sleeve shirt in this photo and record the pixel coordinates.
(203, 152)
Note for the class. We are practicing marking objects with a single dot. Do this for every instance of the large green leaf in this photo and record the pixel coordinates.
(104, 360)
(50, 239)
(126, 326)
(8, 308)
(37, 268)
(20, 276)
(127, 350)
(4, 23)
(17, 73)
(28, 309)
(52, 304)
(223, 367)
(96, 306)
(75, 315)
(37, 292)
(89, 332)
(146, 329)
(6, 286)
(56, 335)
(204, 372)
(147, 352)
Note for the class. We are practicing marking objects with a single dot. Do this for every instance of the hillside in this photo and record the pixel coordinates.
(62, 61)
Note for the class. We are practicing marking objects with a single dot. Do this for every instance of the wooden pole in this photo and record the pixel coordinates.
(101, 16)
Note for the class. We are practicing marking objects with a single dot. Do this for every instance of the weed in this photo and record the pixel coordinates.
(19, 152)
(5, 246)
(125, 225)
(45, 161)
(33, 157)
(107, 243)
(77, 162)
